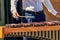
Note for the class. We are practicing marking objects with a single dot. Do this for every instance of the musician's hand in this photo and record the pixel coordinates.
(58, 14)
(15, 14)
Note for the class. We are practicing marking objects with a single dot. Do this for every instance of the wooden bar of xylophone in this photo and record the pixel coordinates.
(34, 24)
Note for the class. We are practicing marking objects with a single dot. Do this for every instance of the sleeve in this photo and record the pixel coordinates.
(13, 5)
(49, 6)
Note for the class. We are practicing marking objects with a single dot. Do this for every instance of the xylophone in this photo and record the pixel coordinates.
(34, 24)
(40, 31)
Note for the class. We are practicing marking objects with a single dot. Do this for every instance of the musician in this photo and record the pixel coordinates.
(34, 9)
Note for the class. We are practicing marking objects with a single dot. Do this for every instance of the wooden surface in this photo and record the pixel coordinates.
(31, 29)
(47, 29)
(1, 32)
(56, 5)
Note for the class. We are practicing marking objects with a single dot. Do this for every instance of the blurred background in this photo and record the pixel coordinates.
(49, 16)
(5, 11)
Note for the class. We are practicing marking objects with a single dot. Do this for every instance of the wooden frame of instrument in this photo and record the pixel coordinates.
(3, 30)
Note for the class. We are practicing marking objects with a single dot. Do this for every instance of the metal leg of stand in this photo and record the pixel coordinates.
(24, 38)
(29, 20)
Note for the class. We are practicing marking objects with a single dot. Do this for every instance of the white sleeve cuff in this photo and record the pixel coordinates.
(12, 11)
(53, 12)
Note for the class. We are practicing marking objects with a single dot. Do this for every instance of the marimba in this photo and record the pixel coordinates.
(34, 24)
(40, 31)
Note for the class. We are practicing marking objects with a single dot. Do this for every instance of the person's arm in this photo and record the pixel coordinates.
(13, 5)
(13, 8)
(49, 6)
